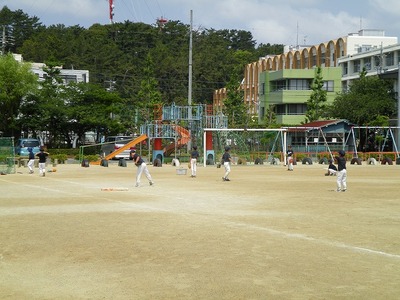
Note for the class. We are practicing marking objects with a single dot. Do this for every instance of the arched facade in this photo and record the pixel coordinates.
(324, 54)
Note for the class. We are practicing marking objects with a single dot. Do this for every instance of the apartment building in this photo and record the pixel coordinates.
(67, 75)
(281, 82)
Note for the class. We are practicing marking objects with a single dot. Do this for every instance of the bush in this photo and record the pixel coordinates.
(91, 157)
(300, 156)
(67, 152)
(168, 160)
(184, 158)
(60, 157)
(390, 155)
(241, 161)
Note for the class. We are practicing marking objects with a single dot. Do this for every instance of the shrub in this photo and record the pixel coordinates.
(91, 157)
(60, 157)
(67, 152)
(300, 156)
(241, 161)
(390, 155)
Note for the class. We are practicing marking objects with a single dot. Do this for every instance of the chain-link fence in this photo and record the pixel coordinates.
(7, 156)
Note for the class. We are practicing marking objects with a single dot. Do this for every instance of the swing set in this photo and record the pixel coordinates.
(375, 142)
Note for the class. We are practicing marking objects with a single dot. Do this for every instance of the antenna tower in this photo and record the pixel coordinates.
(111, 8)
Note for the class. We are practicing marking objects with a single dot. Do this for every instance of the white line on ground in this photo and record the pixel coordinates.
(317, 240)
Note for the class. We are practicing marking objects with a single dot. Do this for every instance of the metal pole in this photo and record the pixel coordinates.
(204, 148)
(284, 144)
(398, 104)
(190, 59)
(189, 145)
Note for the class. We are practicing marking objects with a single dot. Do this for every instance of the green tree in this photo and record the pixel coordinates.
(366, 101)
(16, 83)
(91, 108)
(18, 27)
(270, 117)
(316, 107)
(265, 49)
(234, 106)
(149, 95)
(52, 106)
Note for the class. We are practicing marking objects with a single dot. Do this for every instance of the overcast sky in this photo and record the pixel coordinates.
(285, 22)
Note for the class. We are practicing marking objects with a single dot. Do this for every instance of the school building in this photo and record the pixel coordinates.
(281, 83)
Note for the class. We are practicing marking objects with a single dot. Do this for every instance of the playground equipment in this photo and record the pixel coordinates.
(370, 140)
(128, 145)
(184, 125)
(378, 140)
(208, 131)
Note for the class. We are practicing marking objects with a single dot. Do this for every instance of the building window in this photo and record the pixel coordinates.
(262, 112)
(278, 85)
(389, 59)
(280, 109)
(299, 84)
(297, 109)
(69, 78)
(367, 63)
(314, 60)
(305, 62)
(357, 66)
(345, 68)
(328, 86)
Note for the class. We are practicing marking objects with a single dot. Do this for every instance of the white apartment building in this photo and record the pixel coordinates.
(67, 75)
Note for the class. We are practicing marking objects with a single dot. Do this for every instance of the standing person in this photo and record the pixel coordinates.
(31, 160)
(194, 155)
(342, 172)
(141, 167)
(290, 157)
(42, 161)
(332, 170)
(226, 160)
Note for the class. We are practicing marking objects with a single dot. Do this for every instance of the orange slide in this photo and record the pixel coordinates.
(183, 140)
(138, 140)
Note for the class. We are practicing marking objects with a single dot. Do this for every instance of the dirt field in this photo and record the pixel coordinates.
(267, 234)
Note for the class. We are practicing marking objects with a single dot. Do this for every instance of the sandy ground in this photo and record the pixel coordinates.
(267, 234)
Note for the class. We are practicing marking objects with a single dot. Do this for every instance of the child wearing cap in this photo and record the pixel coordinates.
(194, 155)
(31, 160)
(42, 161)
(342, 172)
(332, 170)
(226, 160)
(141, 168)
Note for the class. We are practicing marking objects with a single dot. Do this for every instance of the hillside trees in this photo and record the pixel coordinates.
(18, 27)
(116, 56)
(17, 82)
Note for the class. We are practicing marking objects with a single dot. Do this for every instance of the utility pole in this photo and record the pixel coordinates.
(398, 104)
(190, 58)
(189, 145)
(3, 41)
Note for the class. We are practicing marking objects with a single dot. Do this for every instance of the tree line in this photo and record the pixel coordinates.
(135, 67)
(139, 64)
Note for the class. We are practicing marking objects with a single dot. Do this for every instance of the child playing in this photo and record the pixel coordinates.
(342, 172)
(332, 170)
(226, 160)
